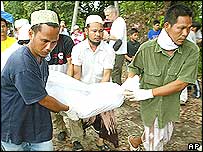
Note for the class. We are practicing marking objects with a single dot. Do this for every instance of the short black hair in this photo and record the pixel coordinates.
(156, 22)
(175, 11)
(2, 19)
(132, 31)
(196, 24)
(37, 27)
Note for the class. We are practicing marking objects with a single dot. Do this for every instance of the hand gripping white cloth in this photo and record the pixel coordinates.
(85, 99)
(133, 91)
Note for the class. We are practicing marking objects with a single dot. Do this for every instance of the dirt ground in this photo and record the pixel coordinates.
(187, 130)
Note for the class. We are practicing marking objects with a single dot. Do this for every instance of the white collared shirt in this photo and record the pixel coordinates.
(118, 29)
(93, 63)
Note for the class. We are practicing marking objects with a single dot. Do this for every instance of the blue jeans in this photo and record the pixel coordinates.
(25, 146)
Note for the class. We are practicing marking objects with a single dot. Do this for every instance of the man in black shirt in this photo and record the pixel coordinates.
(132, 46)
(60, 60)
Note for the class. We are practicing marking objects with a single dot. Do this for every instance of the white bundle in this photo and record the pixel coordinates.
(85, 99)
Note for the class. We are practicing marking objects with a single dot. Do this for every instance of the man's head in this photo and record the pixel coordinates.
(18, 24)
(76, 28)
(44, 32)
(62, 25)
(94, 29)
(156, 24)
(177, 22)
(133, 34)
(195, 26)
(111, 13)
(4, 29)
(23, 34)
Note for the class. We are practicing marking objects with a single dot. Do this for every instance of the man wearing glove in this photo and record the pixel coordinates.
(166, 65)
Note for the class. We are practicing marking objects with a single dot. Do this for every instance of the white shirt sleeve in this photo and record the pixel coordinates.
(76, 56)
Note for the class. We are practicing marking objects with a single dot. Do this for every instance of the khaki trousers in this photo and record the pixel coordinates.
(76, 130)
(58, 122)
(117, 69)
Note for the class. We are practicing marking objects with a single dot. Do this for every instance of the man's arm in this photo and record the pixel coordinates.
(128, 58)
(106, 75)
(53, 104)
(170, 88)
(70, 67)
(77, 72)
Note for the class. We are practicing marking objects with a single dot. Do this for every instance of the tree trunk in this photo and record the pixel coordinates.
(75, 14)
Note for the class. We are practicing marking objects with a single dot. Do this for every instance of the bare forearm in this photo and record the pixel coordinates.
(106, 75)
(169, 88)
(128, 58)
(53, 104)
(131, 74)
(77, 70)
(70, 70)
(70, 67)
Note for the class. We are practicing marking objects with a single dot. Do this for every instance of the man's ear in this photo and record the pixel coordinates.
(86, 30)
(167, 25)
(31, 34)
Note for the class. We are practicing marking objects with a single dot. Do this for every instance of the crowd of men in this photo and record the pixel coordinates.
(164, 66)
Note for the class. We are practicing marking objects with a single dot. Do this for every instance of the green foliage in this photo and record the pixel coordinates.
(140, 13)
(65, 9)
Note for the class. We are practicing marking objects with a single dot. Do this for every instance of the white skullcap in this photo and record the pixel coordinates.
(93, 19)
(23, 32)
(19, 23)
(44, 16)
(76, 27)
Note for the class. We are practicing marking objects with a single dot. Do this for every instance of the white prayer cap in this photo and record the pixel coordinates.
(76, 27)
(94, 19)
(19, 23)
(44, 16)
(23, 32)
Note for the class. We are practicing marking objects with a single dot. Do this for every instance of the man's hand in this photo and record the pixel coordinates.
(138, 94)
(131, 84)
(71, 113)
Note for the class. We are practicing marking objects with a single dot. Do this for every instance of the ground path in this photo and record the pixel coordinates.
(187, 130)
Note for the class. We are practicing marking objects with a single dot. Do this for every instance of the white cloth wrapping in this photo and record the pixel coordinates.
(85, 99)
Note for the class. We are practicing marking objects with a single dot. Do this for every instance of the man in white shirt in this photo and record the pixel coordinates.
(63, 29)
(93, 61)
(118, 31)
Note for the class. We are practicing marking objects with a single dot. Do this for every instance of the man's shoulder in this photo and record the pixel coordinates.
(82, 45)
(19, 54)
(149, 43)
(119, 20)
(65, 38)
(11, 39)
(188, 45)
(151, 31)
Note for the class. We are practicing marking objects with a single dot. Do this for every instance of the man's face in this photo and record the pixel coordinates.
(62, 25)
(110, 16)
(156, 27)
(180, 30)
(95, 32)
(4, 28)
(44, 41)
(134, 36)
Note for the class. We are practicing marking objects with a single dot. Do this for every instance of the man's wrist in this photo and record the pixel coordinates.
(150, 93)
